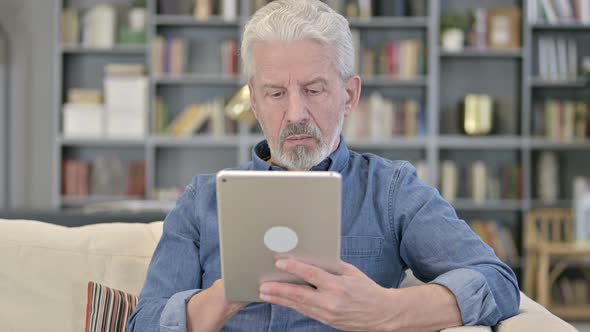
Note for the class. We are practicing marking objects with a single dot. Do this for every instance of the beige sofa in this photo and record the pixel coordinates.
(44, 270)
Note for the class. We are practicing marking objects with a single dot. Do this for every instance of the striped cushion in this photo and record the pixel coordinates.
(108, 309)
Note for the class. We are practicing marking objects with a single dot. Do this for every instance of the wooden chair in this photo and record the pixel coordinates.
(550, 249)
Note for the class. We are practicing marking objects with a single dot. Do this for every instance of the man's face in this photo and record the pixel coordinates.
(300, 100)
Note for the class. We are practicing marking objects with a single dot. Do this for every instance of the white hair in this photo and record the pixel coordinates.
(291, 20)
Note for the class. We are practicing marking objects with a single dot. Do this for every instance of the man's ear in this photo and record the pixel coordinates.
(353, 93)
(253, 104)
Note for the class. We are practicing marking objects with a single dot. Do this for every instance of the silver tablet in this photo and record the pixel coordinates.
(268, 215)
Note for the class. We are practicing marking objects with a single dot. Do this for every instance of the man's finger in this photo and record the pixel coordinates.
(311, 274)
(301, 298)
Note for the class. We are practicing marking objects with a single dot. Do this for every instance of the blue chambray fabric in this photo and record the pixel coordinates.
(391, 221)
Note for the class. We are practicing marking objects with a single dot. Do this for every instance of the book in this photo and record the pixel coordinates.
(229, 57)
(83, 120)
(229, 10)
(449, 180)
(70, 26)
(189, 120)
(99, 27)
(548, 11)
(124, 70)
(203, 9)
(84, 96)
(478, 176)
(161, 117)
(547, 177)
(157, 56)
(136, 179)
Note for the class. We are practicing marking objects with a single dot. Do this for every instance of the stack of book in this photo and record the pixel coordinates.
(479, 182)
(83, 114)
(379, 118)
(562, 120)
(207, 118)
(104, 177)
(497, 236)
(126, 90)
(559, 11)
(169, 56)
(400, 59)
(558, 58)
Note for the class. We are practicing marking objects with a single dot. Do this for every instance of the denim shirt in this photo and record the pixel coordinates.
(391, 221)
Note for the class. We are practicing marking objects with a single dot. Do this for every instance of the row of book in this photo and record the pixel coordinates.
(106, 177)
(571, 291)
(119, 111)
(401, 59)
(100, 26)
(499, 237)
(206, 118)
(558, 58)
(559, 11)
(380, 118)
(200, 9)
(562, 120)
(169, 56)
(480, 182)
(367, 8)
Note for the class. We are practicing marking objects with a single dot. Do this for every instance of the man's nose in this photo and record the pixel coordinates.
(297, 109)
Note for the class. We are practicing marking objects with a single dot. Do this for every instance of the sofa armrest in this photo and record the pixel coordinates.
(533, 317)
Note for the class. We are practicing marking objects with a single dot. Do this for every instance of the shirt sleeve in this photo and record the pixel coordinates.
(440, 248)
(174, 273)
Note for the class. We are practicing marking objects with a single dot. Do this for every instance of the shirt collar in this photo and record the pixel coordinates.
(334, 162)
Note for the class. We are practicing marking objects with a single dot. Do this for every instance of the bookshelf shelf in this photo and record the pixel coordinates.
(543, 143)
(561, 26)
(195, 141)
(389, 22)
(196, 79)
(190, 21)
(561, 203)
(490, 205)
(117, 50)
(100, 142)
(489, 142)
(393, 143)
(483, 53)
(389, 81)
(537, 82)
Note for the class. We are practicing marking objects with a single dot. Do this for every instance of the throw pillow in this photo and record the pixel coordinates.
(108, 309)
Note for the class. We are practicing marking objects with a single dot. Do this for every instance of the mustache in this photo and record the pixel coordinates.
(300, 129)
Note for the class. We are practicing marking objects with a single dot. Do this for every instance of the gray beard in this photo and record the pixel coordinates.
(301, 157)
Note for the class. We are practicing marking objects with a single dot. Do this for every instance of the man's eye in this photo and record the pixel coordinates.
(313, 92)
(277, 94)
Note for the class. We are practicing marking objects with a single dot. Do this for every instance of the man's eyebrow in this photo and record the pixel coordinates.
(316, 80)
(272, 86)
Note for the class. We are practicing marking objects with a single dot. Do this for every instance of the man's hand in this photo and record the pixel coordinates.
(349, 301)
(209, 310)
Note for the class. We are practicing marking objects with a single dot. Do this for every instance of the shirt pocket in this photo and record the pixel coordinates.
(366, 253)
(361, 246)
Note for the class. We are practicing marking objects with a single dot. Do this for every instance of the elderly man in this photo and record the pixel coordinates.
(299, 57)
